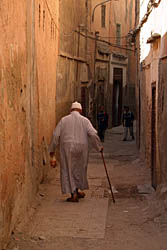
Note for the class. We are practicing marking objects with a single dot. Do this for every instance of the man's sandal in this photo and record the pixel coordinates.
(73, 198)
(81, 195)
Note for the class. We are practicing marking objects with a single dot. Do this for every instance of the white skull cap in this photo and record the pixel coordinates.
(76, 105)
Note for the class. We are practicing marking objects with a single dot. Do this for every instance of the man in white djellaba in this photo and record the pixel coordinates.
(72, 134)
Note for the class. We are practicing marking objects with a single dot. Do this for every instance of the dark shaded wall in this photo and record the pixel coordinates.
(162, 117)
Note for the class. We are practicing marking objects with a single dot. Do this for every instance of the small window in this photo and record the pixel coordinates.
(118, 34)
(103, 16)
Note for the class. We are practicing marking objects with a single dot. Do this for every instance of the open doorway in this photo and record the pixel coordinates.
(117, 96)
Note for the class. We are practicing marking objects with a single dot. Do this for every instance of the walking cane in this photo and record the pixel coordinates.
(107, 176)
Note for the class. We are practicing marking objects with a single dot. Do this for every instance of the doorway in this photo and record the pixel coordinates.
(117, 97)
(153, 139)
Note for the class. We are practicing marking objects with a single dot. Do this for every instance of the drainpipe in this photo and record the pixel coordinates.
(32, 81)
(78, 51)
(86, 55)
(95, 94)
(86, 29)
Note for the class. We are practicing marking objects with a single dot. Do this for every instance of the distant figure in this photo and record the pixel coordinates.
(72, 133)
(127, 120)
(102, 119)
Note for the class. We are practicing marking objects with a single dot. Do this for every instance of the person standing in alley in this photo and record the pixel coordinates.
(127, 120)
(102, 119)
(72, 133)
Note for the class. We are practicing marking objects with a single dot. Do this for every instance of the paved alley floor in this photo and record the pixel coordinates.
(137, 221)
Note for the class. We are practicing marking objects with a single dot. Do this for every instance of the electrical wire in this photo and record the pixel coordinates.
(109, 43)
(87, 36)
(121, 37)
(50, 13)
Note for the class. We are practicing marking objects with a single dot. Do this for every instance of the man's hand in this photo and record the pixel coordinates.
(53, 161)
(101, 150)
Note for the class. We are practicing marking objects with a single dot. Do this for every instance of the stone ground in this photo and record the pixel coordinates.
(137, 221)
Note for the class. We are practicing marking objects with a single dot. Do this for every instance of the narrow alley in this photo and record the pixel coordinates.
(72, 71)
(136, 221)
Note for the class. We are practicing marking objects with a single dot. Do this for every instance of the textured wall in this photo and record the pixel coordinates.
(27, 104)
(152, 74)
(162, 119)
(123, 13)
(73, 17)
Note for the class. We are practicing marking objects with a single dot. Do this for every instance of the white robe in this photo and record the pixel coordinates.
(72, 133)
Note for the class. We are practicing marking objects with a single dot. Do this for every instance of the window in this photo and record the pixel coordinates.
(103, 16)
(118, 34)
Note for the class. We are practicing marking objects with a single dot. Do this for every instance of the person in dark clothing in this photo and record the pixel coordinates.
(102, 119)
(127, 120)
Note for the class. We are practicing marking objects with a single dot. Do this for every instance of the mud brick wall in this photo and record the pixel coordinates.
(28, 54)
